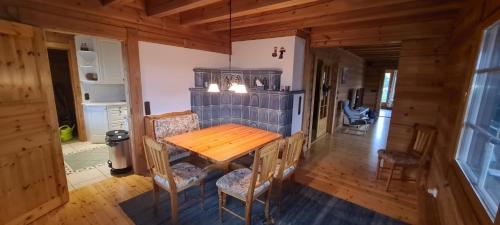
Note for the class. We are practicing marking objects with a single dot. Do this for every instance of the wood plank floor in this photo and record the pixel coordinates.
(344, 166)
(97, 204)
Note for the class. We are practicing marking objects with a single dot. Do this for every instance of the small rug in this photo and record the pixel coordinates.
(300, 205)
(86, 159)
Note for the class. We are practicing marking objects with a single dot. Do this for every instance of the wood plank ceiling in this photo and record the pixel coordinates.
(370, 29)
(328, 23)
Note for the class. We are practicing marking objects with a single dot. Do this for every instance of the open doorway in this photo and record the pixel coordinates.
(63, 92)
(388, 88)
(87, 109)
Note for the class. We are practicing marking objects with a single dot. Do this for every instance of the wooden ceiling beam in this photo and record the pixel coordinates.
(412, 30)
(161, 8)
(220, 11)
(328, 13)
(356, 20)
(113, 2)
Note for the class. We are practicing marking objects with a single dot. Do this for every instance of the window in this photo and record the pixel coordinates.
(479, 150)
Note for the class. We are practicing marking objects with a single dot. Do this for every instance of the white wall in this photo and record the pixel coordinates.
(167, 74)
(256, 54)
(167, 71)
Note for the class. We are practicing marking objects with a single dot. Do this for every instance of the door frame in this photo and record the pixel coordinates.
(332, 114)
(69, 46)
(327, 60)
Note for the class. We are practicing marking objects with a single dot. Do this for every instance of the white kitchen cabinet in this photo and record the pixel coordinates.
(110, 61)
(101, 118)
(101, 62)
(117, 117)
(96, 121)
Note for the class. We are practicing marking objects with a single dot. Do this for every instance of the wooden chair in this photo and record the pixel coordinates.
(289, 161)
(170, 124)
(247, 185)
(174, 179)
(415, 157)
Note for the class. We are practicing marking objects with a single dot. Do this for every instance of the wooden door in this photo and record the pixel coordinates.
(334, 111)
(324, 99)
(32, 175)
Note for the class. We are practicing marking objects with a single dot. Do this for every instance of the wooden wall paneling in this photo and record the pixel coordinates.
(373, 76)
(418, 93)
(135, 101)
(459, 205)
(31, 155)
(67, 42)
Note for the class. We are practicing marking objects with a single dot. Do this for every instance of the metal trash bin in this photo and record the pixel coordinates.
(119, 151)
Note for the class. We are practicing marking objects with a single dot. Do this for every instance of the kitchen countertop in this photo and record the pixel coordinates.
(103, 103)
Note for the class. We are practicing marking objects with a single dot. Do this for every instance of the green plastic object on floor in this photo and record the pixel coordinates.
(66, 133)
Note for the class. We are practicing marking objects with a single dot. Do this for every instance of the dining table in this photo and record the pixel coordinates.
(223, 144)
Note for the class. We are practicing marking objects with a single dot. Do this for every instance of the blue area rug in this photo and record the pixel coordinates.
(301, 205)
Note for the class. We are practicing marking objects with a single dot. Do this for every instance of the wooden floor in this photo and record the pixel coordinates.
(344, 166)
(97, 203)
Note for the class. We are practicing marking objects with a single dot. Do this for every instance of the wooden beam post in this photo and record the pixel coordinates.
(135, 101)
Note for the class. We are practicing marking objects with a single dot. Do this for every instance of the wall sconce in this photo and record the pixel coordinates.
(282, 50)
(275, 53)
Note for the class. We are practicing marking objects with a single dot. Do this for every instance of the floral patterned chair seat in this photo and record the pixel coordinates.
(237, 182)
(185, 175)
(171, 125)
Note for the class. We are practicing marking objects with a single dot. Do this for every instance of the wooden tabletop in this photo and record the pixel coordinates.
(223, 143)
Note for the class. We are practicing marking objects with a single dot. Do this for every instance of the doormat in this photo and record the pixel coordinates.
(86, 159)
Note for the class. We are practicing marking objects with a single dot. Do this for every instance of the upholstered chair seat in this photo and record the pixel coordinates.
(286, 171)
(401, 158)
(185, 175)
(237, 182)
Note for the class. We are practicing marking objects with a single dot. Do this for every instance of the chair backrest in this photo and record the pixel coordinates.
(347, 110)
(291, 152)
(264, 165)
(157, 161)
(422, 141)
(170, 124)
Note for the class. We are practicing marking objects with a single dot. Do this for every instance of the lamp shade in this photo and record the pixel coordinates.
(233, 86)
(241, 89)
(213, 88)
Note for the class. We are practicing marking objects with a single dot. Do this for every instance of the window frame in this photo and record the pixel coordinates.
(476, 203)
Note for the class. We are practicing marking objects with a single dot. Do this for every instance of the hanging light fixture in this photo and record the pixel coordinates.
(235, 86)
(213, 87)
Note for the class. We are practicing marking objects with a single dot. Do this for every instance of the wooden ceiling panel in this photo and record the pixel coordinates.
(325, 13)
(390, 33)
(161, 8)
(220, 11)
(376, 53)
